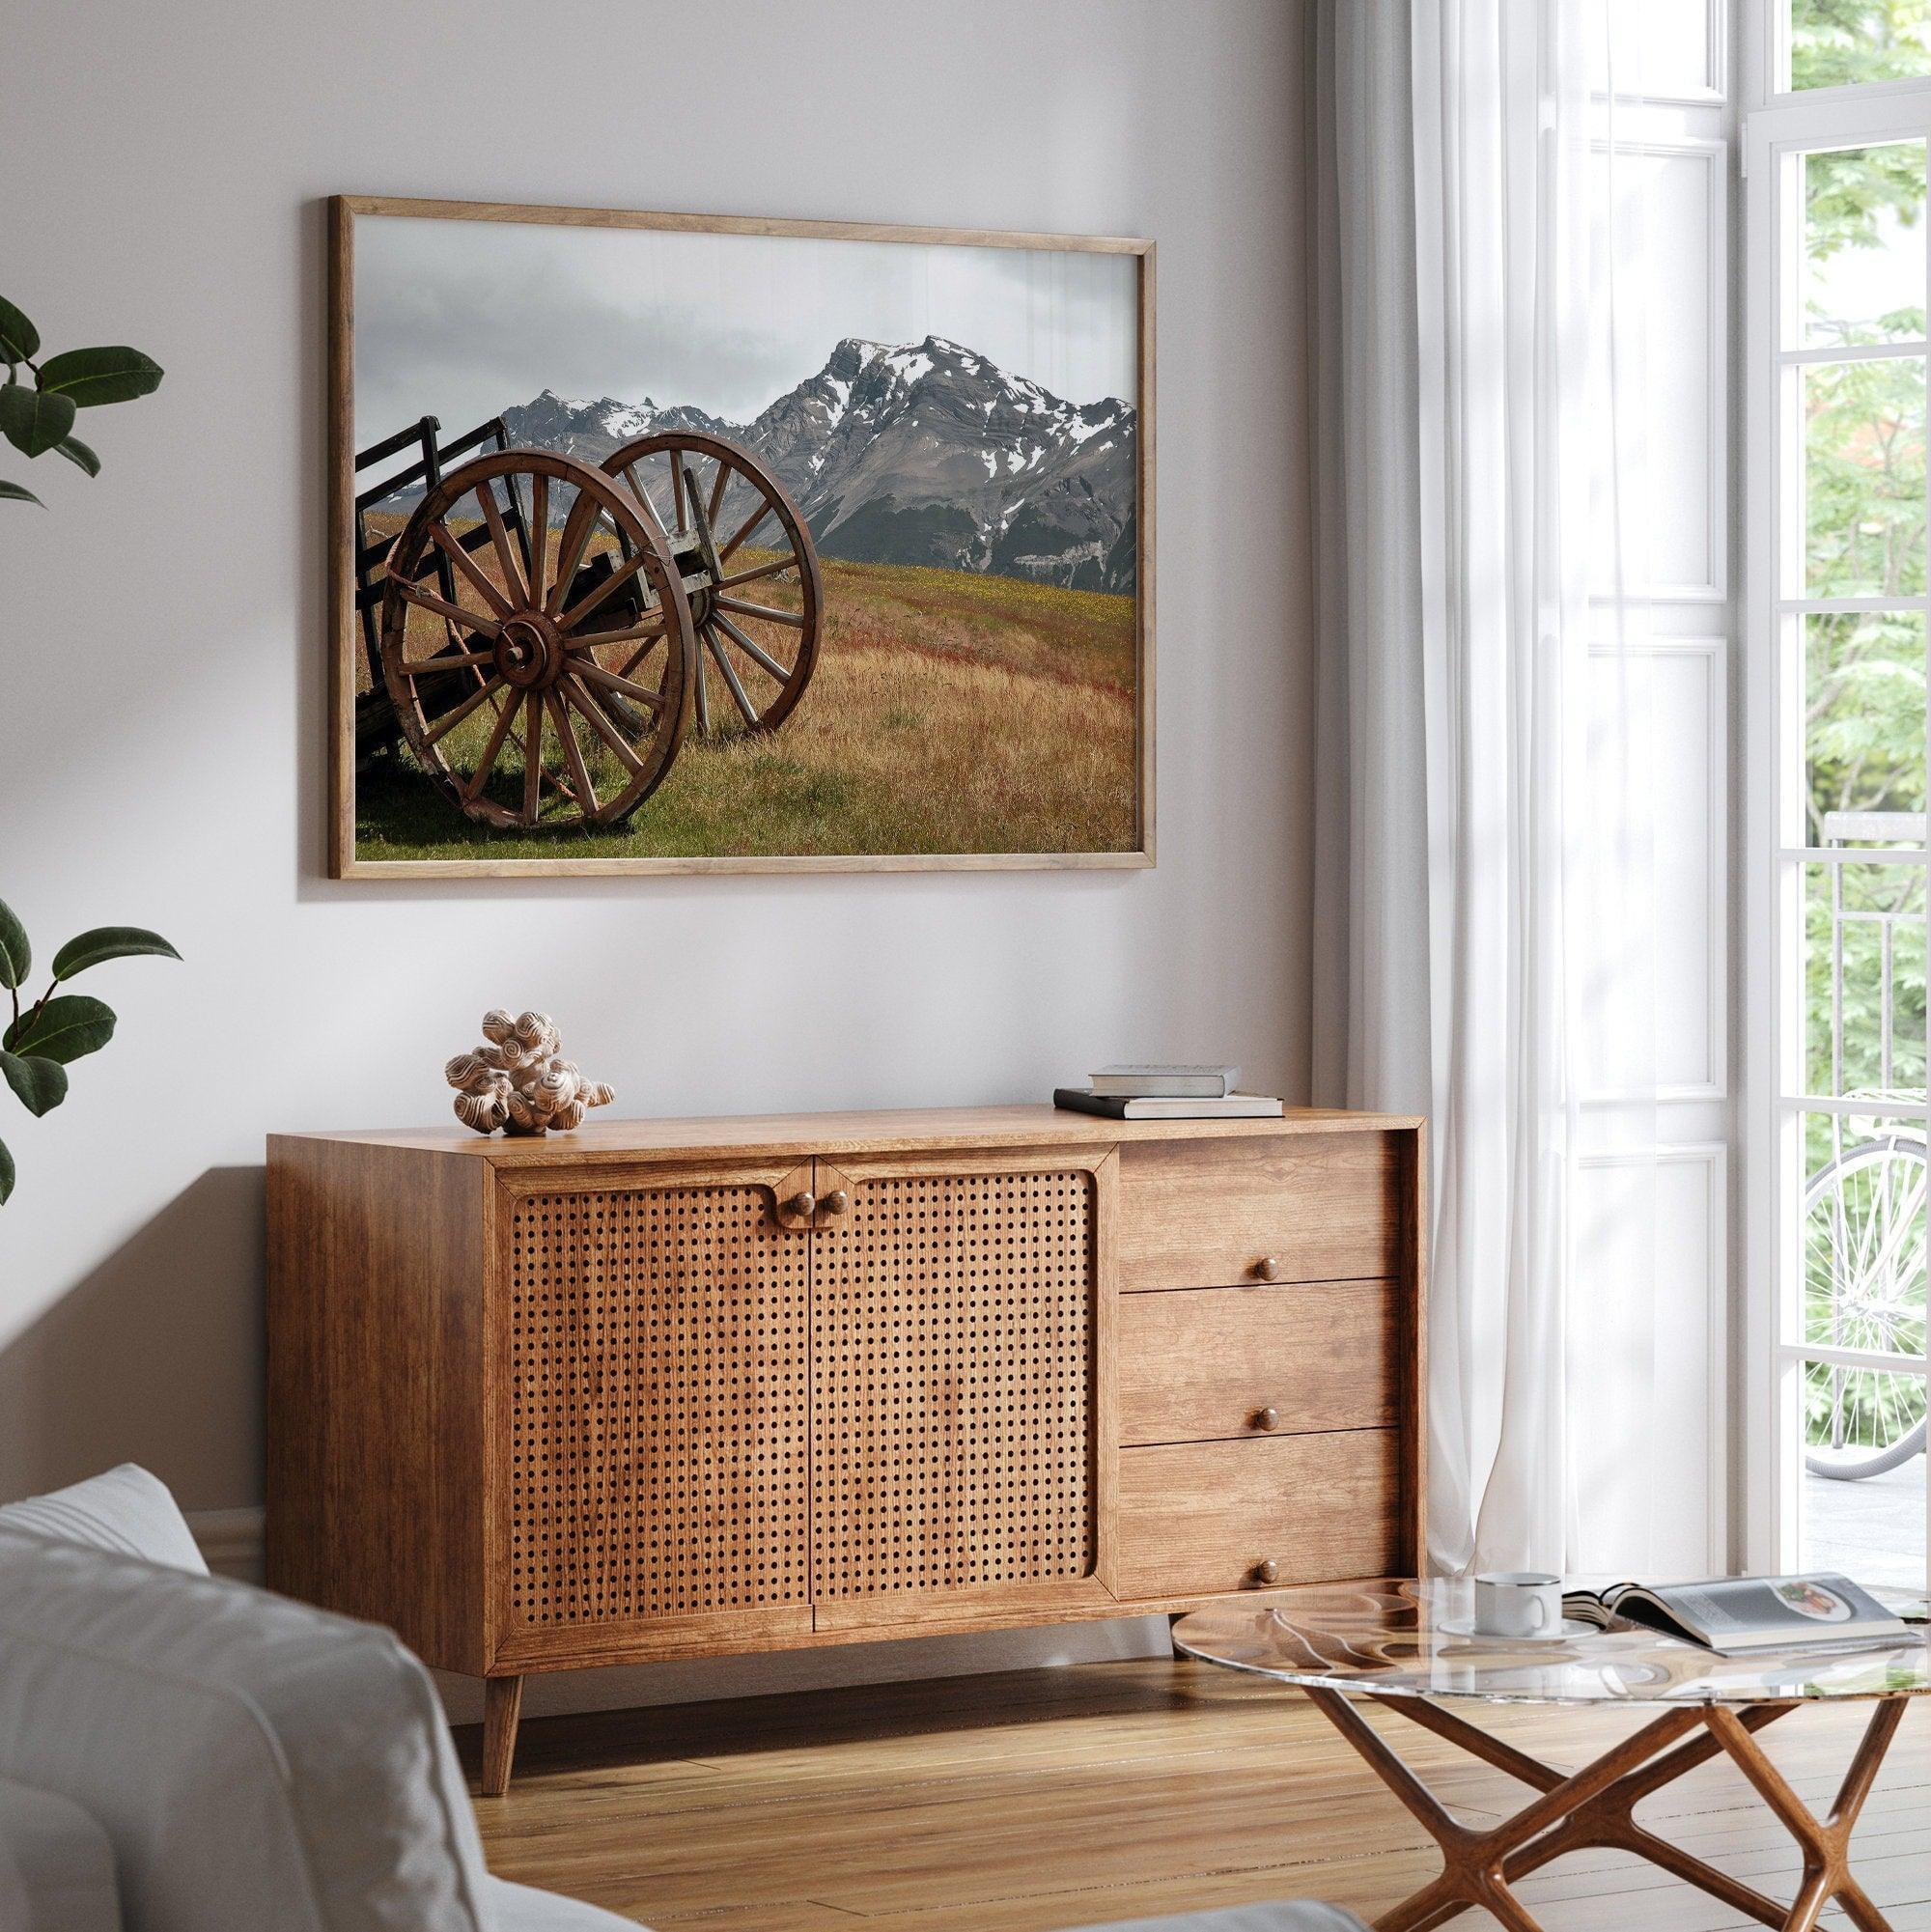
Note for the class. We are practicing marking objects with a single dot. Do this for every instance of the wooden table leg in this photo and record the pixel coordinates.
(1595, 1807)
(1474, 1863)
(1826, 1843)
(1609, 1821)
(502, 1706)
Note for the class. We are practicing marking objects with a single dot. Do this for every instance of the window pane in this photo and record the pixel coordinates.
(1842, 42)
(1864, 245)
(1864, 478)
(1864, 1261)
(1862, 1508)
(1862, 1186)
(1864, 729)
(1652, 47)
(1863, 980)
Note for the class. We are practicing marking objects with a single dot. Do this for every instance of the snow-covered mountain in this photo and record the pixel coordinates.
(930, 454)
(591, 431)
(919, 452)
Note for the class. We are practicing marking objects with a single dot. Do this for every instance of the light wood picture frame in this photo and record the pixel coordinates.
(732, 517)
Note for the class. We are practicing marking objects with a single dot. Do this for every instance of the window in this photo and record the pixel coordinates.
(1835, 546)
(1853, 43)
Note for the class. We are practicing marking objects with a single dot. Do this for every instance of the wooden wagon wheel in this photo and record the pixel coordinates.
(747, 563)
(580, 644)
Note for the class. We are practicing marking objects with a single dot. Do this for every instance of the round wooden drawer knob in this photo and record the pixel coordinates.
(1266, 1418)
(1267, 1268)
(836, 1201)
(803, 1205)
(1267, 1571)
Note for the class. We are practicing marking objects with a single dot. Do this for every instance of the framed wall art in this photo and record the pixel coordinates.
(667, 543)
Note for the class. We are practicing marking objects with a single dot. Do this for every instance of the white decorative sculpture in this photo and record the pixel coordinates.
(518, 1080)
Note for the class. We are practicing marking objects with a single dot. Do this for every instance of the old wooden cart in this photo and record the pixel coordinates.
(542, 634)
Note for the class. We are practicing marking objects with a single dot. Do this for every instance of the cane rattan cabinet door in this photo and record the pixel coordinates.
(955, 1392)
(658, 1403)
(655, 1389)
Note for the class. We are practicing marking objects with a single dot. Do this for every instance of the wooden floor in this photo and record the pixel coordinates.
(1065, 1798)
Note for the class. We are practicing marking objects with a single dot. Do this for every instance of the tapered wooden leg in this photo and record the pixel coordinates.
(502, 1706)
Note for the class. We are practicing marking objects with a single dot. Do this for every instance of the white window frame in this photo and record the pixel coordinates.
(1777, 128)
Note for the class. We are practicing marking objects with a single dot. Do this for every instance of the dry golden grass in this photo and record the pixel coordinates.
(909, 751)
(948, 712)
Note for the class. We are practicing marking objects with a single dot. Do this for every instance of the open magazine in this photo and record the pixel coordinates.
(1736, 1616)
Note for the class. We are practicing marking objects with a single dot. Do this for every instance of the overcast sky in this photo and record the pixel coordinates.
(460, 319)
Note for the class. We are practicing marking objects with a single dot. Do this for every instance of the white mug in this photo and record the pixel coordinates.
(1519, 1603)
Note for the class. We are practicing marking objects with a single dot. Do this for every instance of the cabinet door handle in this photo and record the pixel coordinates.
(803, 1205)
(835, 1202)
(1266, 1418)
(1267, 1268)
(1266, 1570)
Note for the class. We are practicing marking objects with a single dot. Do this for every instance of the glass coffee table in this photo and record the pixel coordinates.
(1407, 1647)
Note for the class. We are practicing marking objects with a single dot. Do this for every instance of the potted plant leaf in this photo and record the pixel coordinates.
(48, 1034)
(45, 1036)
(38, 415)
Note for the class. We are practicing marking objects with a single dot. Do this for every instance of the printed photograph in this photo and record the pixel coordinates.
(675, 544)
(1812, 1599)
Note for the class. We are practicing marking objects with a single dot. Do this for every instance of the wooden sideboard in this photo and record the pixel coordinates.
(672, 1388)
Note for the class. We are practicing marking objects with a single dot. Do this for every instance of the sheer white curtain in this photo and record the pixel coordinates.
(1481, 910)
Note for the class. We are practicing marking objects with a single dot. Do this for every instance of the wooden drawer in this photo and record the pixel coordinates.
(1206, 1362)
(1200, 1518)
(1302, 1207)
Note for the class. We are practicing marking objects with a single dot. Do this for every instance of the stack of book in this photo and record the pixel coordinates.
(1166, 1093)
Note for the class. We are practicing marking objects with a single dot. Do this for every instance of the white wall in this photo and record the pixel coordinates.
(162, 630)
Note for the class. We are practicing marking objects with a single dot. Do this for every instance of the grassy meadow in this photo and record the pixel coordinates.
(949, 713)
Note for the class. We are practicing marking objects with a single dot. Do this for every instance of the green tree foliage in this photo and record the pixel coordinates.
(1845, 42)
(1864, 672)
(1864, 472)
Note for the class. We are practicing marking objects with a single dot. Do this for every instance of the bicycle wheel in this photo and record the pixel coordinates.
(1863, 1289)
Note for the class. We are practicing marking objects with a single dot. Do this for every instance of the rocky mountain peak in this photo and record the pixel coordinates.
(920, 453)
